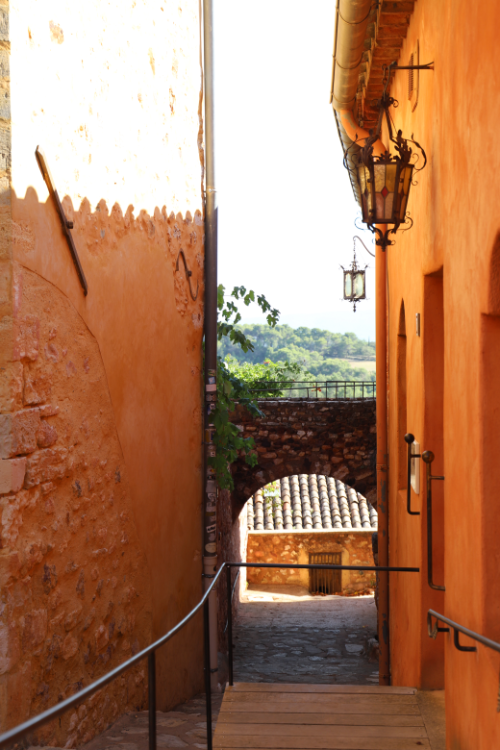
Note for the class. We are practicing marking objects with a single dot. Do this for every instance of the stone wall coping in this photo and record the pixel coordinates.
(320, 532)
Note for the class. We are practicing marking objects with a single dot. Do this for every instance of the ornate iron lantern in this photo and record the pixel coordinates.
(354, 281)
(385, 180)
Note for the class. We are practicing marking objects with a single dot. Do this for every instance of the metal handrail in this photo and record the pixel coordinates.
(317, 389)
(457, 628)
(28, 726)
(51, 713)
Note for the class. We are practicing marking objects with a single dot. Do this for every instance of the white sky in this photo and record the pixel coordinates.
(286, 208)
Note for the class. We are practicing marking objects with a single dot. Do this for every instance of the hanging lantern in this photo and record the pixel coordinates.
(385, 180)
(385, 185)
(354, 282)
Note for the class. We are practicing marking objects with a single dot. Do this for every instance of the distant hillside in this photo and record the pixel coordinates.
(322, 353)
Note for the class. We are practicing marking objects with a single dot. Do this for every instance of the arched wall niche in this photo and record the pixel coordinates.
(489, 404)
(493, 284)
(402, 408)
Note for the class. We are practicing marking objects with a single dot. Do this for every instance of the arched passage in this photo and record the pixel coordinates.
(310, 518)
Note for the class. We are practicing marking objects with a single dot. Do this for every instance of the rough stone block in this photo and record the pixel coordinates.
(18, 432)
(4, 24)
(37, 388)
(34, 629)
(11, 387)
(10, 649)
(12, 475)
(45, 465)
(26, 338)
(46, 435)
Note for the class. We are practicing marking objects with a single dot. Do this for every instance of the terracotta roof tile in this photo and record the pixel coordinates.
(309, 502)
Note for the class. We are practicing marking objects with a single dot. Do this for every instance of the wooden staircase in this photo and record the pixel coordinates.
(264, 716)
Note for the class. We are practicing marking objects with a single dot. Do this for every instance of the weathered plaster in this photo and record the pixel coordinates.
(112, 93)
(76, 596)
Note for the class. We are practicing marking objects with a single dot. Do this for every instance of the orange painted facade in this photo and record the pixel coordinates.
(443, 386)
(442, 380)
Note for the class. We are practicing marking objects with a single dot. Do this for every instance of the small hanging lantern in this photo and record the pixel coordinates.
(354, 281)
(385, 180)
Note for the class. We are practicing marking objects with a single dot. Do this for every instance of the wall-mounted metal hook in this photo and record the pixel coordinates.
(433, 630)
(410, 439)
(457, 644)
(66, 225)
(188, 274)
(428, 458)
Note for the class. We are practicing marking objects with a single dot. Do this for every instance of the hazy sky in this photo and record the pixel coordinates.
(286, 208)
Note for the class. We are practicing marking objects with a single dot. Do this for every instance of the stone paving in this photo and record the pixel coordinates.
(281, 634)
(184, 727)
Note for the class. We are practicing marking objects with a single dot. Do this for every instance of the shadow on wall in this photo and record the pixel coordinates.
(85, 431)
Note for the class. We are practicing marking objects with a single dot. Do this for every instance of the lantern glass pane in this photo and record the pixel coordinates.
(347, 284)
(379, 172)
(405, 183)
(364, 187)
(385, 185)
(359, 285)
(390, 177)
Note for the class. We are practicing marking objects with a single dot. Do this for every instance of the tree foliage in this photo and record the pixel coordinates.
(234, 383)
(318, 352)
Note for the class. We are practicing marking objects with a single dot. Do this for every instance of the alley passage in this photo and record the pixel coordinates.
(283, 634)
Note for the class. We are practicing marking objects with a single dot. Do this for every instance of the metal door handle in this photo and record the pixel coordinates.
(410, 439)
(428, 457)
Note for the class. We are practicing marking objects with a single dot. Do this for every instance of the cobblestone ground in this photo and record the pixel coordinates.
(282, 634)
(184, 727)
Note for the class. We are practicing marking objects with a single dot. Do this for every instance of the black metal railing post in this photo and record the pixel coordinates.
(229, 625)
(152, 700)
(208, 687)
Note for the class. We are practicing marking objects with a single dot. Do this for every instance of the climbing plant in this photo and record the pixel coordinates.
(235, 383)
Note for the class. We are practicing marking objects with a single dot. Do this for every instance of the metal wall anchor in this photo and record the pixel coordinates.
(188, 274)
(66, 225)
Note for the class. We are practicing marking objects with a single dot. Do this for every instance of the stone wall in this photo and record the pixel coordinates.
(100, 395)
(76, 598)
(355, 548)
(232, 534)
(334, 438)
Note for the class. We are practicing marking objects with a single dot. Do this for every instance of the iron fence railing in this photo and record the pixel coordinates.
(16, 733)
(338, 390)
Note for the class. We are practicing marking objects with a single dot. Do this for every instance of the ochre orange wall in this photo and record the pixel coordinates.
(450, 247)
(113, 94)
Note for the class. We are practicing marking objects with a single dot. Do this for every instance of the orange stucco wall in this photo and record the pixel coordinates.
(112, 93)
(445, 268)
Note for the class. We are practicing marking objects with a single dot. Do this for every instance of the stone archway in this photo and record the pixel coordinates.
(333, 438)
